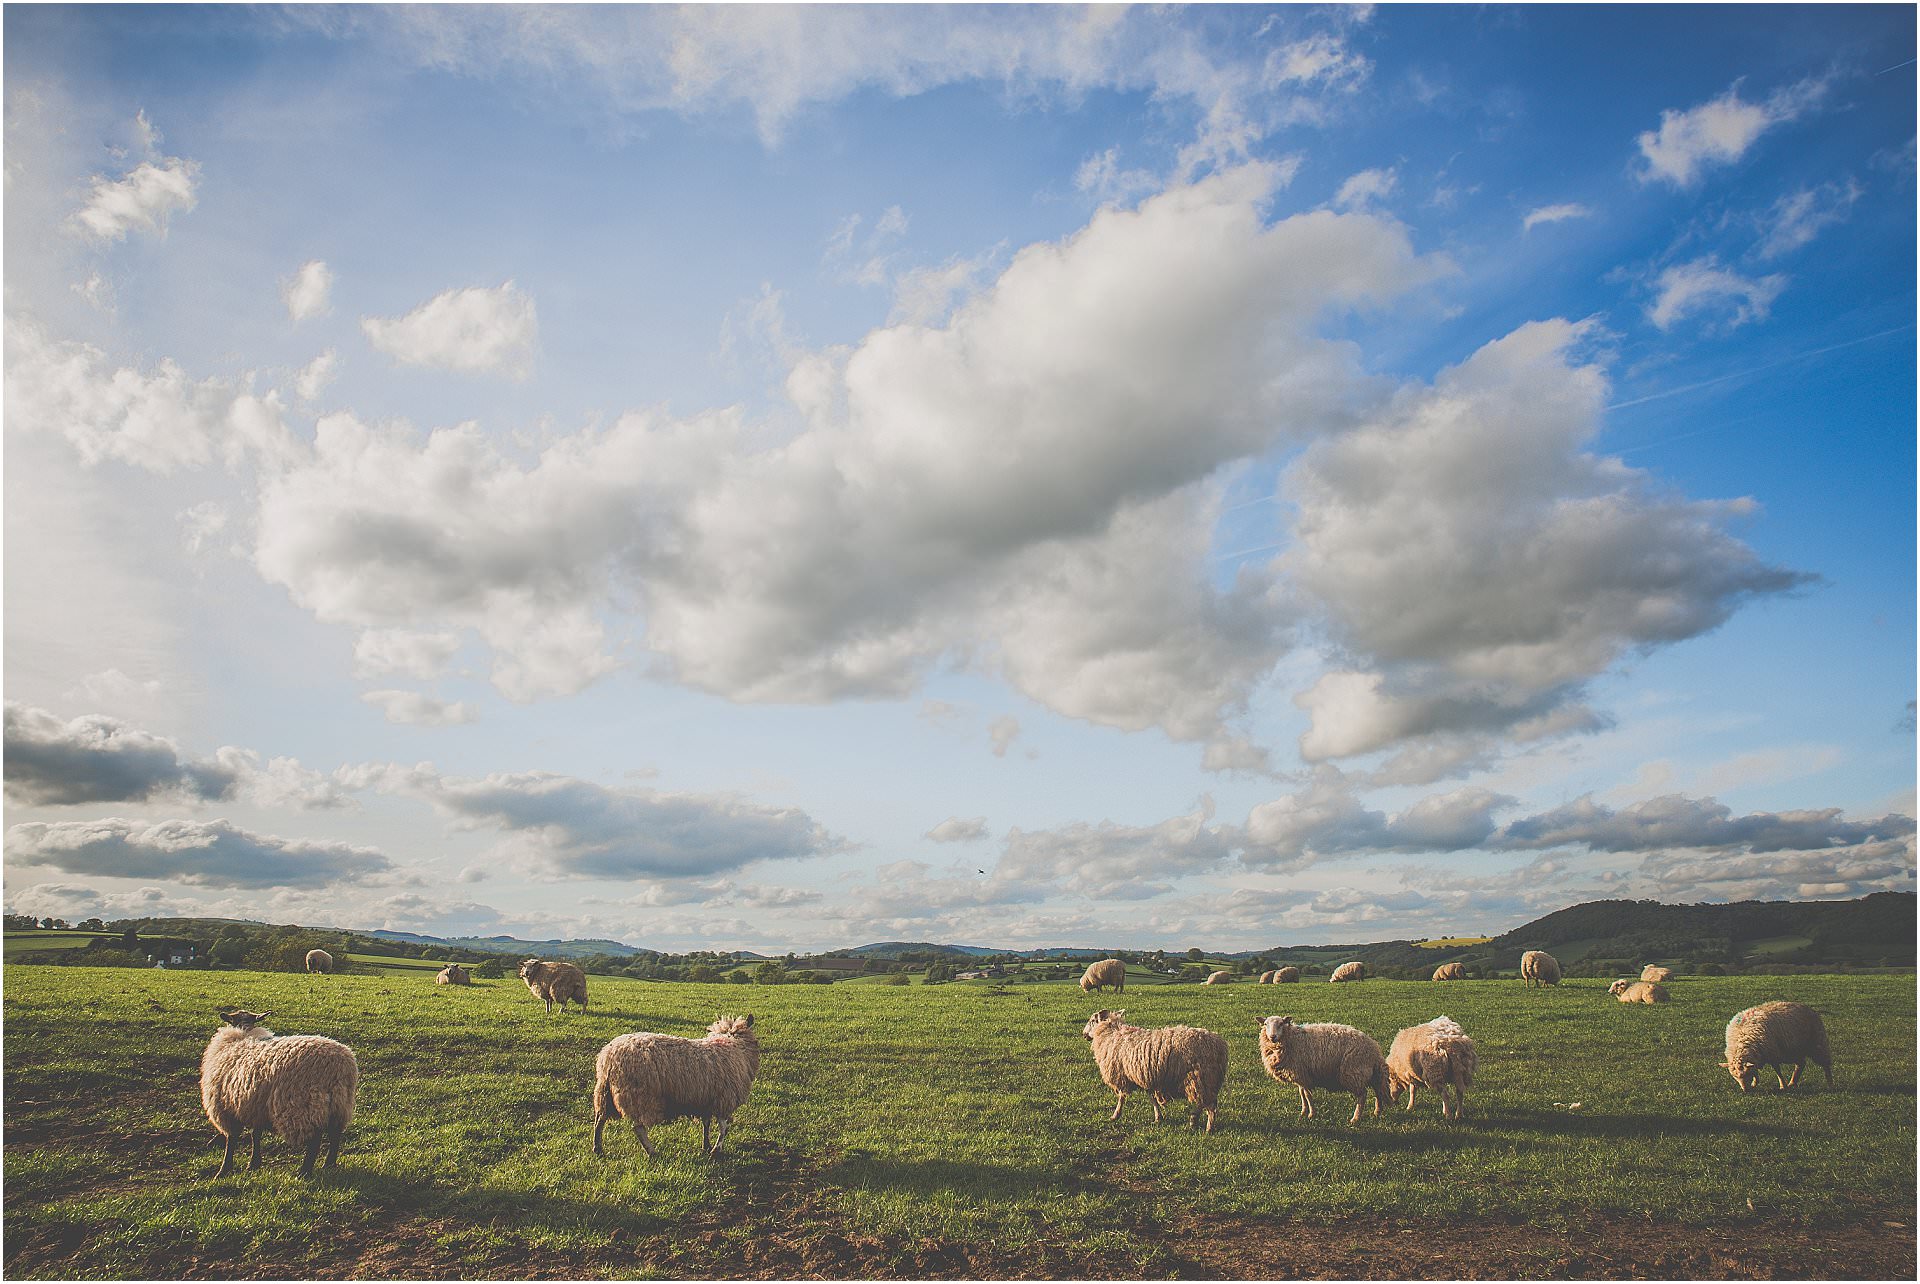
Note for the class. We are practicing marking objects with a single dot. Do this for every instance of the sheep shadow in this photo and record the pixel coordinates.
(1526, 1130)
(971, 1178)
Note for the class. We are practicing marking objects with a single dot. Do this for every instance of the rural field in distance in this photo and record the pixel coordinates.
(956, 1131)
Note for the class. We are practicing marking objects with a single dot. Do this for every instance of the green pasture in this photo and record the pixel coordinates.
(905, 1116)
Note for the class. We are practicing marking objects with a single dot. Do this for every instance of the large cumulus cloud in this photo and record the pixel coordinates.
(199, 853)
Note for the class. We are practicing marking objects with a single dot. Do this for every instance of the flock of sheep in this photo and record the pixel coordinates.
(303, 1086)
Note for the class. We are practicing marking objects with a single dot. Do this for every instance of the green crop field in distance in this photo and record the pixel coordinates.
(906, 1127)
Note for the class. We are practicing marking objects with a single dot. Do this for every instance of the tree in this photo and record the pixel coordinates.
(1196, 954)
(770, 973)
(490, 969)
(93, 925)
(937, 973)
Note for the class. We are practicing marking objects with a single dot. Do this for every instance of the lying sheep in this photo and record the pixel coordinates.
(1324, 1055)
(1654, 972)
(1437, 1055)
(1639, 992)
(555, 983)
(1537, 967)
(453, 974)
(650, 1079)
(1218, 978)
(1773, 1035)
(1349, 972)
(319, 961)
(1176, 1059)
(301, 1086)
(1286, 976)
(1450, 972)
(1104, 973)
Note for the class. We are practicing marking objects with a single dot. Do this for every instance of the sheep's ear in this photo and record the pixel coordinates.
(749, 1020)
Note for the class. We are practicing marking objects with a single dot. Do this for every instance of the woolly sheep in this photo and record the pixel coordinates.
(1286, 976)
(555, 983)
(1175, 1059)
(1349, 972)
(1537, 967)
(1654, 972)
(1773, 1035)
(1436, 1055)
(1639, 992)
(651, 1079)
(319, 961)
(453, 974)
(1324, 1055)
(301, 1086)
(1218, 978)
(1266, 978)
(1104, 973)
(1450, 972)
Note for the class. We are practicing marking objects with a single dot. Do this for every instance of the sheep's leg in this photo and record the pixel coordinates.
(598, 1124)
(640, 1131)
(333, 1143)
(1793, 1080)
(1360, 1103)
(1306, 1103)
(1210, 1113)
(254, 1162)
(313, 1153)
(1122, 1094)
(1410, 1091)
(706, 1134)
(226, 1159)
(1158, 1101)
(1828, 1067)
(722, 1138)
(1782, 1078)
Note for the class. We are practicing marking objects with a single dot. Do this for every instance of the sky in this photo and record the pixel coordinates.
(785, 478)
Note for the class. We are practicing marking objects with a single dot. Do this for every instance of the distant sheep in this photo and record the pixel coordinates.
(1104, 973)
(1218, 978)
(650, 1079)
(1266, 978)
(1324, 1055)
(301, 1086)
(1450, 972)
(1654, 972)
(1286, 976)
(453, 974)
(1639, 992)
(1773, 1035)
(555, 983)
(1349, 972)
(319, 961)
(1175, 1059)
(1436, 1055)
(1537, 967)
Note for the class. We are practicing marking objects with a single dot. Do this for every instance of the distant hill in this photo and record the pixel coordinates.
(895, 949)
(513, 945)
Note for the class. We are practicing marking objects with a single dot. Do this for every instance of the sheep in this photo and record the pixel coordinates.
(1639, 992)
(1772, 1035)
(555, 983)
(1266, 978)
(1537, 967)
(1104, 973)
(1324, 1055)
(1218, 978)
(1439, 1055)
(301, 1086)
(1173, 1059)
(1286, 976)
(1654, 972)
(651, 1079)
(1450, 972)
(1349, 972)
(319, 961)
(453, 974)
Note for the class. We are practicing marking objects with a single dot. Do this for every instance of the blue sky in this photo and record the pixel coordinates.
(791, 477)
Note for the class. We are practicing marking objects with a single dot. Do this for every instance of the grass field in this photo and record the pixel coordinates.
(954, 1130)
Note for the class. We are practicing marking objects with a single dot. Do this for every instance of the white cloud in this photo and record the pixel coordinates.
(1702, 824)
(403, 651)
(203, 524)
(1366, 187)
(470, 331)
(1687, 289)
(1795, 219)
(97, 291)
(955, 830)
(143, 200)
(203, 854)
(307, 292)
(1327, 818)
(1553, 214)
(1113, 862)
(1002, 732)
(1718, 132)
(316, 375)
(1102, 177)
(416, 708)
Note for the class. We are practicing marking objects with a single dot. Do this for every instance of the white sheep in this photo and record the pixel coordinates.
(1537, 967)
(1639, 992)
(1774, 1035)
(1104, 973)
(1218, 978)
(555, 983)
(1286, 975)
(1266, 978)
(1450, 972)
(1355, 971)
(1436, 1055)
(1654, 972)
(319, 961)
(1324, 1055)
(301, 1086)
(651, 1079)
(1175, 1059)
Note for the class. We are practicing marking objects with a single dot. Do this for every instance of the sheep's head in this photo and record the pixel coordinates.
(731, 1026)
(1101, 1018)
(243, 1019)
(1276, 1029)
(1618, 987)
(531, 967)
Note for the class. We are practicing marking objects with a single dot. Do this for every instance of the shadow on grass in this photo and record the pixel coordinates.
(970, 1178)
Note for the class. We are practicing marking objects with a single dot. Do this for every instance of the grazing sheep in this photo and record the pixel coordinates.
(1437, 1055)
(1286, 976)
(453, 974)
(319, 961)
(1654, 972)
(1537, 967)
(1349, 972)
(555, 983)
(1174, 1059)
(1773, 1035)
(1104, 973)
(1450, 972)
(1324, 1055)
(650, 1079)
(1639, 992)
(1266, 978)
(301, 1086)
(1218, 978)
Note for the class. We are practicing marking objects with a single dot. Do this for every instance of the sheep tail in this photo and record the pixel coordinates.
(603, 1107)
